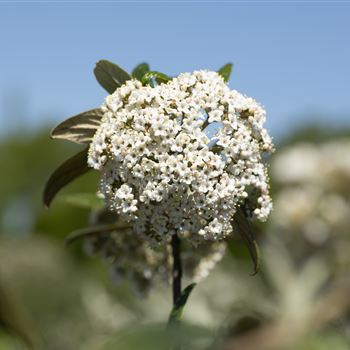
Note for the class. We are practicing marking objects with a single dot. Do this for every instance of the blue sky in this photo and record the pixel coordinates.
(294, 58)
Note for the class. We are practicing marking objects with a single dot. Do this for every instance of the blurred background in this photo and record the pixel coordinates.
(293, 58)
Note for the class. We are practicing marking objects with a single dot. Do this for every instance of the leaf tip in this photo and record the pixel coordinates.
(225, 71)
(46, 197)
(52, 134)
(99, 62)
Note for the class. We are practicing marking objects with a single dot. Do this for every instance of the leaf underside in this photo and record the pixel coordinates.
(140, 70)
(64, 174)
(247, 235)
(80, 128)
(110, 76)
(225, 71)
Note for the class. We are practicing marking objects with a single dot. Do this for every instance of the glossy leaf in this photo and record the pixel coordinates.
(140, 70)
(177, 310)
(64, 174)
(247, 235)
(95, 230)
(110, 76)
(84, 200)
(159, 77)
(225, 71)
(80, 128)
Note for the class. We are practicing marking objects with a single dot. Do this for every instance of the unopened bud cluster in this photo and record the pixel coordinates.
(134, 260)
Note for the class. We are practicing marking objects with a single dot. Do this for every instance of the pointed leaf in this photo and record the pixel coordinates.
(159, 77)
(177, 310)
(84, 200)
(80, 128)
(225, 71)
(247, 235)
(140, 70)
(110, 76)
(95, 230)
(64, 174)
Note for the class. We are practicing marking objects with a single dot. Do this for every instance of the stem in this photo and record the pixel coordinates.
(177, 267)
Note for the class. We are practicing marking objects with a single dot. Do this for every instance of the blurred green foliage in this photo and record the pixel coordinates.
(29, 161)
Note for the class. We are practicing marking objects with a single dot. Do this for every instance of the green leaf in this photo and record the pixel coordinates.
(157, 76)
(80, 128)
(247, 235)
(95, 230)
(225, 71)
(84, 200)
(140, 70)
(177, 310)
(64, 174)
(110, 76)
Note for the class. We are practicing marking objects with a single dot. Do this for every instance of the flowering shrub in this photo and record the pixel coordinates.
(180, 157)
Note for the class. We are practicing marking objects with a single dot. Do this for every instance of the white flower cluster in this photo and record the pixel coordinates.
(162, 171)
(134, 260)
(315, 197)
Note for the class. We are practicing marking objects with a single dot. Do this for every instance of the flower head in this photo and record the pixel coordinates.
(163, 172)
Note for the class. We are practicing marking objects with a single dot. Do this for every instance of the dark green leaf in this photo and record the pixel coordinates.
(95, 230)
(79, 129)
(140, 70)
(247, 235)
(64, 174)
(149, 77)
(177, 310)
(225, 71)
(84, 200)
(110, 76)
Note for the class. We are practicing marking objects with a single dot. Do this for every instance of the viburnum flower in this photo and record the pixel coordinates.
(160, 169)
(180, 157)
